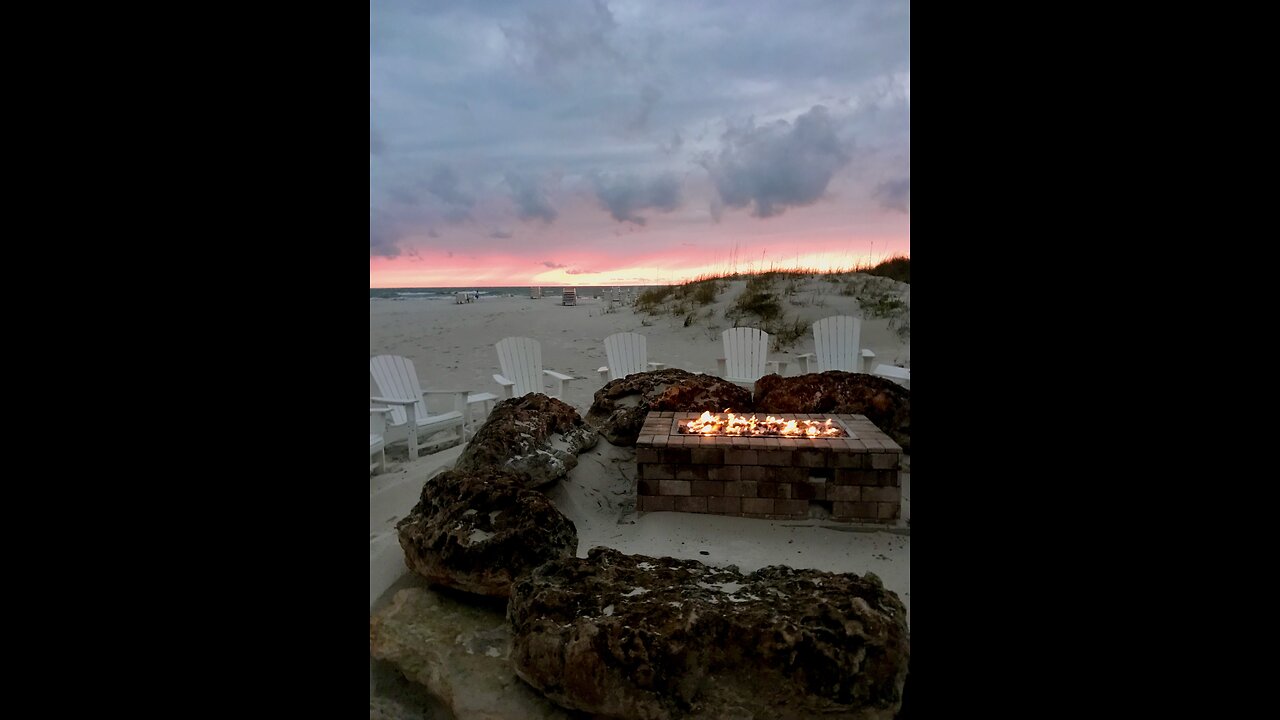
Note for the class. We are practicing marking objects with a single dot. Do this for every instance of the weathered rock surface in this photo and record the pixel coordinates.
(629, 636)
(884, 402)
(477, 531)
(460, 652)
(619, 408)
(535, 435)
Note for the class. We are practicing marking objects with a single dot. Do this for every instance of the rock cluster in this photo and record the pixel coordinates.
(620, 407)
(885, 403)
(479, 530)
(630, 636)
(537, 436)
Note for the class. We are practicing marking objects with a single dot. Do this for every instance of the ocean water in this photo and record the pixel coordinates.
(443, 293)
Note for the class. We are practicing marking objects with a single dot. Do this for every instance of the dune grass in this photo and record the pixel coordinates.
(761, 302)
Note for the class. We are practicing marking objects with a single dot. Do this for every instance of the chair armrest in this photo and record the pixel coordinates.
(459, 398)
(863, 357)
(806, 356)
(658, 365)
(393, 401)
(604, 373)
(508, 386)
(559, 376)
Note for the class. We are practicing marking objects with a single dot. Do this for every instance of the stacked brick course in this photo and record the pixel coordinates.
(769, 477)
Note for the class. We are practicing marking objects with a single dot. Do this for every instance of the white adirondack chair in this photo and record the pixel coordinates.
(626, 353)
(836, 344)
(411, 419)
(900, 375)
(569, 296)
(378, 443)
(746, 352)
(521, 361)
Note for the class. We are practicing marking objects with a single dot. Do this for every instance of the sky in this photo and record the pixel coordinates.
(611, 142)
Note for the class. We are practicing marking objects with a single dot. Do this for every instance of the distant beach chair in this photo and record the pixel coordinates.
(900, 375)
(378, 443)
(626, 353)
(521, 361)
(746, 352)
(410, 418)
(569, 297)
(836, 343)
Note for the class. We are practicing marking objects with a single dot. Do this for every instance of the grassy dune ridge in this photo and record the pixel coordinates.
(778, 301)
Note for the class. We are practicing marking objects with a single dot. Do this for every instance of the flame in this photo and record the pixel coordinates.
(708, 424)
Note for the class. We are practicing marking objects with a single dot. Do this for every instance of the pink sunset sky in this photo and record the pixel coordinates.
(594, 142)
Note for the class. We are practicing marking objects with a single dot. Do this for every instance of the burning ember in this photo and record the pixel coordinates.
(771, 426)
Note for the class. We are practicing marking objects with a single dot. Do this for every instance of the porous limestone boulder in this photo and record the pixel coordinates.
(620, 407)
(477, 531)
(630, 636)
(459, 652)
(885, 403)
(537, 436)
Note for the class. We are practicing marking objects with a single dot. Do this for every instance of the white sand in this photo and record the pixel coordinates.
(452, 347)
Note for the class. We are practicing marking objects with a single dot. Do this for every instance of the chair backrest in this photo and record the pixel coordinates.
(745, 352)
(835, 342)
(521, 361)
(627, 354)
(396, 378)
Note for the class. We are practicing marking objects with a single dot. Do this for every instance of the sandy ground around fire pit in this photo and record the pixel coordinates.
(452, 348)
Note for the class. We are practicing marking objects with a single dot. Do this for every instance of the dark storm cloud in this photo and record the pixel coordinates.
(500, 234)
(580, 272)
(444, 184)
(531, 201)
(649, 96)
(894, 194)
(382, 238)
(624, 195)
(676, 143)
(779, 165)
(551, 38)
(553, 265)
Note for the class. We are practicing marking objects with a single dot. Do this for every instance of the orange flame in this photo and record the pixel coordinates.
(709, 424)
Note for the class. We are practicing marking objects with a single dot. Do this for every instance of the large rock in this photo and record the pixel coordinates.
(478, 531)
(459, 652)
(629, 636)
(619, 408)
(885, 403)
(535, 435)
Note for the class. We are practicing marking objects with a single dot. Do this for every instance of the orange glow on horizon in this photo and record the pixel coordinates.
(665, 268)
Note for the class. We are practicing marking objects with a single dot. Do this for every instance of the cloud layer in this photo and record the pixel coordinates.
(535, 130)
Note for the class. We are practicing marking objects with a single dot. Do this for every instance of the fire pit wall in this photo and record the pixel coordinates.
(854, 479)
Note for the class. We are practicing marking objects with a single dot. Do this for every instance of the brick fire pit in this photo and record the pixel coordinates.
(853, 478)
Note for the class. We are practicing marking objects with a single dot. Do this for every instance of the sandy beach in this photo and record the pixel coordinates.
(452, 347)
